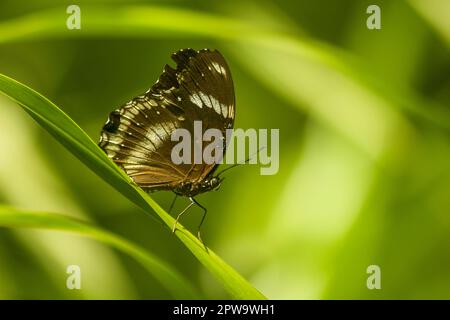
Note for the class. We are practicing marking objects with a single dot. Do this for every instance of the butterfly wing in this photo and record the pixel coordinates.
(137, 136)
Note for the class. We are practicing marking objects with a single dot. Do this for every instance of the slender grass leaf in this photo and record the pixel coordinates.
(435, 12)
(171, 279)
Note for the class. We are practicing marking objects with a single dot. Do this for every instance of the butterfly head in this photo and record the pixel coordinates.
(214, 183)
(190, 189)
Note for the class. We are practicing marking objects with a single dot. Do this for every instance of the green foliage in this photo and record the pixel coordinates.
(171, 279)
(364, 144)
(66, 131)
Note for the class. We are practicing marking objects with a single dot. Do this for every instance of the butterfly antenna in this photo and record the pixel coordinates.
(240, 163)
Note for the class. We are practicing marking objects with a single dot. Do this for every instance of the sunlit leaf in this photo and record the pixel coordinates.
(171, 279)
(69, 134)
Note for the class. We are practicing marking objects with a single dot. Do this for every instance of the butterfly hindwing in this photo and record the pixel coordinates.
(137, 136)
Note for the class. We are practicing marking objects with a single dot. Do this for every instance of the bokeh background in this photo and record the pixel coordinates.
(364, 125)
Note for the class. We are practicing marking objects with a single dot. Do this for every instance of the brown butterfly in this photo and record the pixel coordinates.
(137, 136)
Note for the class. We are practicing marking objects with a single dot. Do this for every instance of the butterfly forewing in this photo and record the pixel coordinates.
(137, 136)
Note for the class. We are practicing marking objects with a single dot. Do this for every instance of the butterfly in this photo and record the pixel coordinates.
(137, 136)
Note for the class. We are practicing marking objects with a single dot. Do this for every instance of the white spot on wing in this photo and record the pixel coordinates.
(224, 110)
(195, 99)
(205, 100)
(150, 146)
(216, 66)
(158, 133)
(152, 135)
(220, 69)
(115, 139)
(216, 104)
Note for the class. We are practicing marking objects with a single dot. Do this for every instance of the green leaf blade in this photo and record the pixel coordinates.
(171, 279)
(73, 138)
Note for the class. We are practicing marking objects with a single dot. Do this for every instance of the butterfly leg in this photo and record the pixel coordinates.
(203, 217)
(173, 203)
(180, 214)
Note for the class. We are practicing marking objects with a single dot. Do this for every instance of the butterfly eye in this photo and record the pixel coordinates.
(214, 183)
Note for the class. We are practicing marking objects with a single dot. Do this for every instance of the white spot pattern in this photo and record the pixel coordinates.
(195, 99)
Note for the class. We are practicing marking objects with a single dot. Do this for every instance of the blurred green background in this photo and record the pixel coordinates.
(364, 125)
